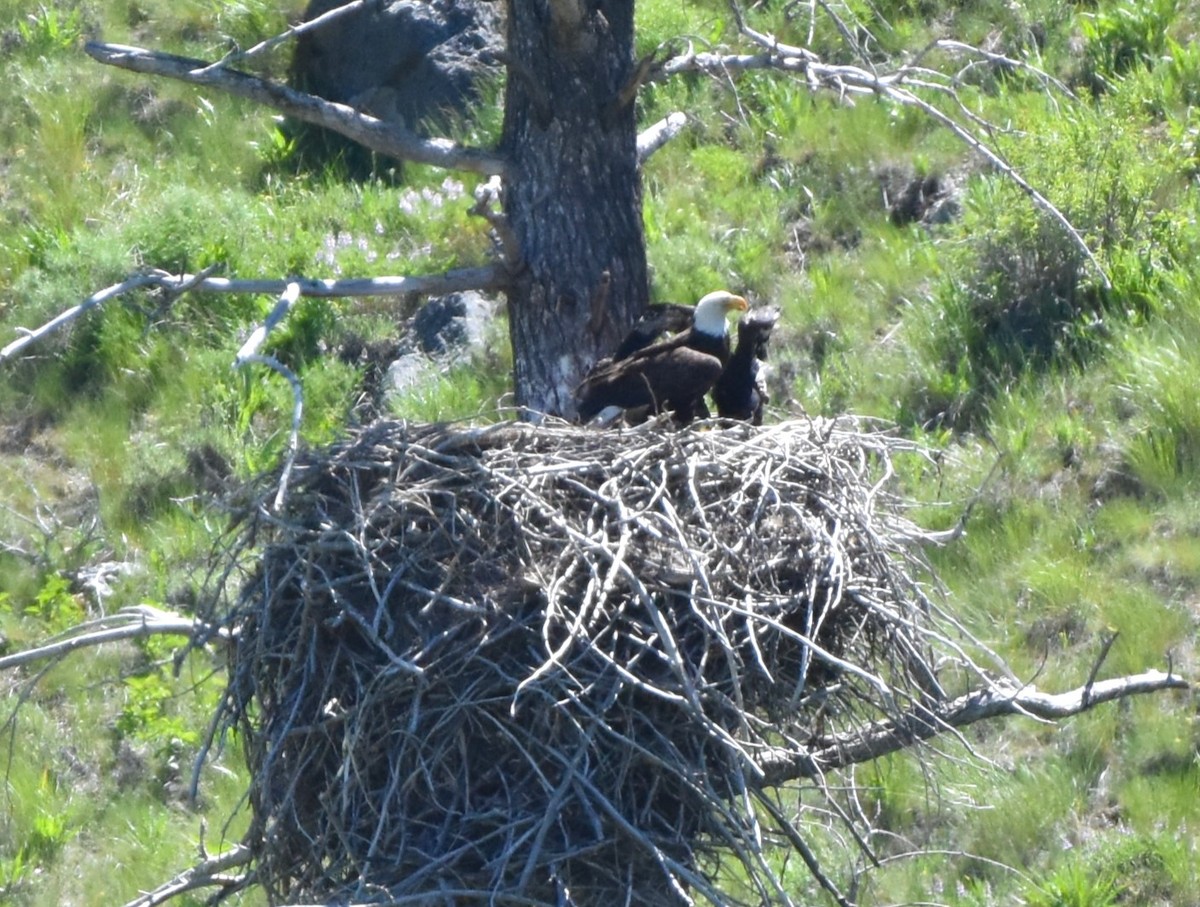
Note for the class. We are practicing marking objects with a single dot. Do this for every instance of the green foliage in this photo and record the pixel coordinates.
(461, 392)
(1076, 886)
(54, 605)
(146, 717)
(990, 335)
(662, 25)
(49, 830)
(244, 23)
(1121, 36)
(1154, 382)
(48, 30)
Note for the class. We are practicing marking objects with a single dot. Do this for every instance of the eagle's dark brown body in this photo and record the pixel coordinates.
(671, 375)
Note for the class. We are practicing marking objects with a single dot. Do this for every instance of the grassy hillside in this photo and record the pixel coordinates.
(1068, 406)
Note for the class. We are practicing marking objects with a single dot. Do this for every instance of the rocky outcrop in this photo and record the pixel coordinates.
(405, 61)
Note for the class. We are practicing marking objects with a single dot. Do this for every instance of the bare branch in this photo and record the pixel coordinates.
(210, 873)
(249, 354)
(654, 137)
(293, 31)
(32, 336)
(894, 86)
(488, 206)
(385, 138)
(959, 47)
(1002, 700)
(259, 335)
(297, 414)
(486, 277)
(904, 96)
(135, 622)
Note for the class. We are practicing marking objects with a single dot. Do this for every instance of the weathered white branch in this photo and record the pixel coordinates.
(894, 86)
(32, 336)
(258, 336)
(1001, 700)
(970, 50)
(209, 873)
(297, 414)
(904, 96)
(320, 21)
(134, 622)
(487, 277)
(385, 138)
(488, 205)
(249, 354)
(654, 137)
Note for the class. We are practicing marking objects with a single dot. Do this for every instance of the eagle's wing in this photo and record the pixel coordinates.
(674, 378)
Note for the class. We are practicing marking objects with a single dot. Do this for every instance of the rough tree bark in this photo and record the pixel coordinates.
(573, 193)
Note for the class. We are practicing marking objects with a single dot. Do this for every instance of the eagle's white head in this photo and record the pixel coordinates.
(714, 308)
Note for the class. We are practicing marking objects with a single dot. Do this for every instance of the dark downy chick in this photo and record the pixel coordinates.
(740, 392)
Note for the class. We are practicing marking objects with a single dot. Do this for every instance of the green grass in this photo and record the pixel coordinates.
(988, 335)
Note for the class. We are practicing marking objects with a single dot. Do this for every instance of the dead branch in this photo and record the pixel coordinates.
(1001, 700)
(993, 58)
(488, 206)
(486, 277)
(653, 137)
(375, 134)
(136, 622)
(209, 873)
(32, 336)
(297, 414)
(898, 85)
(259, 335)
(249, 354)
(262, 47)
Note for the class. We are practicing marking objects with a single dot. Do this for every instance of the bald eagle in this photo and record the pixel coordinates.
(740, 392)
(660, 318)
(673, 374)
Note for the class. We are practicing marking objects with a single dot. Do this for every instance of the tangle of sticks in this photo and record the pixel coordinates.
(541, 664)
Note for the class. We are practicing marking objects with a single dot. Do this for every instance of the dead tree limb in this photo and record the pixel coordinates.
(655, 136)
(250, 354)
(258, 336)
(136, 622)
(486, 277)
(377, 135)
(211, 872)
(898, 85)
(29, 336)
(1001, 700)
(262, 47)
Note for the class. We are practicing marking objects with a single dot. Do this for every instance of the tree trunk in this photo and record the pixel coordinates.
(573, 194)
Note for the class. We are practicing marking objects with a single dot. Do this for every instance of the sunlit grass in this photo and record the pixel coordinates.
(1084, 404)
(457, 393)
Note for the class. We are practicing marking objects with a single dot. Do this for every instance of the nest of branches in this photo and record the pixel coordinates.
(547, 665)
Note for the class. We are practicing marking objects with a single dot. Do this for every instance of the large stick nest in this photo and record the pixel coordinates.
(536, 665)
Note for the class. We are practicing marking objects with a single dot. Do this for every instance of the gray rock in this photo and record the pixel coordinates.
(446, 325)
(403, 61)
(406, 372)
(452, 321)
